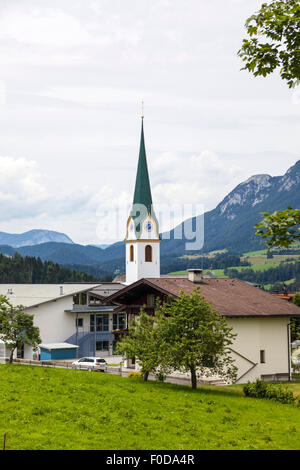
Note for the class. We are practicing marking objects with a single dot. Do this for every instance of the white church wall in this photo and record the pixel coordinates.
(139, 268)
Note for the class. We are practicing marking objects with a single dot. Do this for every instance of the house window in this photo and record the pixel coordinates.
(80, 299)
(20, 352)
(150, 300)
(101, 322)
(262, 356)
(119, 321)
(79, 322)
(102, 346)
(131, 253)
(148, 253)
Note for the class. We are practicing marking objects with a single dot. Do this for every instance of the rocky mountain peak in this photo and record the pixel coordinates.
(256, 189)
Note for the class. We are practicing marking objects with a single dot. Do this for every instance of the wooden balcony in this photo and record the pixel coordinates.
(136, 309)
(119, 334)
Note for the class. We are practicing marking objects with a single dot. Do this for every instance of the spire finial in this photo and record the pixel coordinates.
(142, 110)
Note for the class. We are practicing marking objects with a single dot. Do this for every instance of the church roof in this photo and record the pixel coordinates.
(142, 200)
(142, 192)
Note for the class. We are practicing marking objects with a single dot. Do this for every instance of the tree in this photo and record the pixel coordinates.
(142, 342)
(195, 338)
(16, 327)
(280, 228)
(274, 41)
(296, 299)
(295, 322)
(279, 23)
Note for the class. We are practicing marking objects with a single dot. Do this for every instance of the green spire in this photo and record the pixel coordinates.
(142, 192)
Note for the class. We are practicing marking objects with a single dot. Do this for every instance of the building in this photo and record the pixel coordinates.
(261, 321)
(142, 231)
(67, 314)
(95, 316)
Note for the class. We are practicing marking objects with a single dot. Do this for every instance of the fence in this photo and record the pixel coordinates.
(117, 370)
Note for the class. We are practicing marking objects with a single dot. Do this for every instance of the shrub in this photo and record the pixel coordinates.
(134, 375)
(160, 376)
(260, 389)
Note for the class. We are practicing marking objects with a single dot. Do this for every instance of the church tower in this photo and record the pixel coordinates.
(142, 234)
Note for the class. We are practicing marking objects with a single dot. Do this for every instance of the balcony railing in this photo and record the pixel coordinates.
(136, 309)
(119, 334)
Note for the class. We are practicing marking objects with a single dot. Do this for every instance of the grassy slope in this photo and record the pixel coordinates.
(63, 409)
(258, 261)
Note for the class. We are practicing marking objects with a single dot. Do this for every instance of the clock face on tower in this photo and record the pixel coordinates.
(148, 226)
(131, 227)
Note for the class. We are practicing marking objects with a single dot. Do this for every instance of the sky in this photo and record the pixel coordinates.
(73, 76)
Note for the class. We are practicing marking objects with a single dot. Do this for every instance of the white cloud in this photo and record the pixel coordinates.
(46, 27)
(197, 178)
(21, 190)
(74, 75)
(24, 56)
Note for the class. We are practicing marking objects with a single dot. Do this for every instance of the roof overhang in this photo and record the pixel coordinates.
(141, 282)
(54, 299)
(55, 346)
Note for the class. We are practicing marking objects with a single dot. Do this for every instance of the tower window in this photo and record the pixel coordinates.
(148, 253)
(131, 253)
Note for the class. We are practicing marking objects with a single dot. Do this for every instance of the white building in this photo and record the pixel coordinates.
(68, 313)
(261, 321)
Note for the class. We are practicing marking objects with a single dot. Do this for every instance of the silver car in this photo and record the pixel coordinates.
(90, 363)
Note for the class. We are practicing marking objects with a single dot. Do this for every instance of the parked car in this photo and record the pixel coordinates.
(90, 363)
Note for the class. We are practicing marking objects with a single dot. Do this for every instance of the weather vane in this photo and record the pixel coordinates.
(142, 110)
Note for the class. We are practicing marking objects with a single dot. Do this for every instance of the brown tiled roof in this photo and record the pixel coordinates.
(231, 297)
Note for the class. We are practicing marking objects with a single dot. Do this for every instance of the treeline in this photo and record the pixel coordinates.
(219, 261)
(30, 270)
(281, 273)
(170, 263)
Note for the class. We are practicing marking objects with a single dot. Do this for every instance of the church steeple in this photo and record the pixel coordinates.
(142, 235)
(142, 192)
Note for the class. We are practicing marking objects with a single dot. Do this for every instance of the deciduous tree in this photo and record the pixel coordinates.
(282, 228)
(195, 338)
(16, 327)
(143, 343)
(274, 41)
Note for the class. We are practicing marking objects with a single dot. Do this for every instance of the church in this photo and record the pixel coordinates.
(142, 232)
(92, 318)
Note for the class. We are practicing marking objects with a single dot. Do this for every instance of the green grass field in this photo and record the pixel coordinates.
(257, 259)
(44, 408)
(218, 272)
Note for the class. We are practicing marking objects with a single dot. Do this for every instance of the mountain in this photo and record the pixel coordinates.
(229, 226)
(33, 237)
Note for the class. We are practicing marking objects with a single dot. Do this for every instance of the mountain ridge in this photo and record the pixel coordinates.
(229, 226)
(33, 237)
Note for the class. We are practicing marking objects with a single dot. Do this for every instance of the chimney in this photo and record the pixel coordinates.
(61, 290)
(195, 275)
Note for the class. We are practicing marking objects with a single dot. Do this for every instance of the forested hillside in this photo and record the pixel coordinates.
(287, 271)
(31, 270)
